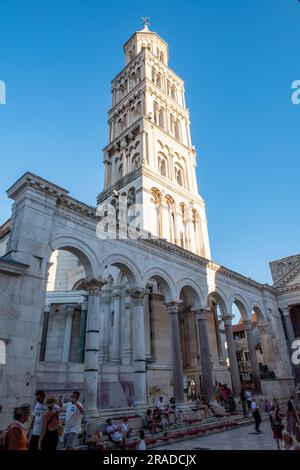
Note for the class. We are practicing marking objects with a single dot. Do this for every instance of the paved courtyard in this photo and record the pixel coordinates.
(242, 438)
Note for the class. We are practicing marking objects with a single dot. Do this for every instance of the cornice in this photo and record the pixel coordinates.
(287, 277)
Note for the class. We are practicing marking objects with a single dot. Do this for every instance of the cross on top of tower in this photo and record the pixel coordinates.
(145, 22)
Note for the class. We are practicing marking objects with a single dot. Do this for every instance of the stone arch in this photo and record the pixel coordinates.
(220, 299)
(126, 265)
(165, 281)
(257, 309)
(80, 249)
(194, 294)
(242, 306)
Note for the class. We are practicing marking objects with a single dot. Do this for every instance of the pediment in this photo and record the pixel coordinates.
(290, 279)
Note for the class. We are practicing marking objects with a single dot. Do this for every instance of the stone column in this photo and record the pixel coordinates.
(105, 308)
(82, 330)
(140, 379)
(191, 231)
(126, 347)
(231, 350)
(252, 353)
(207, 381)
(172, 309)
(116, 297)
(177, 219)
(68, 333)
(165, 220)
(45, 332)
(91, 362)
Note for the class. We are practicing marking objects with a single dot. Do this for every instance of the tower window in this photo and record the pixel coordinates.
(177, 130)
(161, 118)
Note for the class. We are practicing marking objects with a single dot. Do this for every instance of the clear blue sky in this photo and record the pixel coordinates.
(238, 60)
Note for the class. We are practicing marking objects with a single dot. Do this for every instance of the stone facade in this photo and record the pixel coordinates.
(123, 318)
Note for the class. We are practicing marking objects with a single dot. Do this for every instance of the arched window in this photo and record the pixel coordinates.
(155, 113)
(153, 74)
(163, 167)
(136, 161)
(159, 80)
(179, 175)
(161, 118)
(162, 57)
(177, 130)
(120, 171)
(173, 92)
(172, 123)
(2, 352)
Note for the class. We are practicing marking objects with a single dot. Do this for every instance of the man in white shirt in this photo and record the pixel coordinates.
(37, 420)
(256, 414)
(74, 414)
(249, 396)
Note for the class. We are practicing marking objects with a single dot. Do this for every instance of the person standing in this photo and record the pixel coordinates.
(249, 397)
(15, 435)
(256, 414)
(74, 415)
(244, 402)
(48, 439)
(35, 427)
(276, 424)
(142, 443)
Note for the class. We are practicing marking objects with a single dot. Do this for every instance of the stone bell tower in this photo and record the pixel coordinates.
(150, 158)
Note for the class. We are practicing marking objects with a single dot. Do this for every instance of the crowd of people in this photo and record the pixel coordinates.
(50, 421)
(285, 425)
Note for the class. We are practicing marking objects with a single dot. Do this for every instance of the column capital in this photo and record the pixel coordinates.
(105, 298)
(116, 293)
(201, 313)
(264, 327)
(93, 285)
(173, 307)
(84, 306)
(248, 325)
(47, 308)
(227, 318)
(70, 309)
(137, 295)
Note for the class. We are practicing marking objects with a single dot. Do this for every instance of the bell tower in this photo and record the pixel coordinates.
(150, 158)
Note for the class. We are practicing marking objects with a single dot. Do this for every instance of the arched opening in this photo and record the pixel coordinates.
(162, 164)
(159, 80)
(161, 118)
(177, 130)
(173, 92)
(65, 316)
(189, 342)
(155, 113)
(217, 328)
(179, 175)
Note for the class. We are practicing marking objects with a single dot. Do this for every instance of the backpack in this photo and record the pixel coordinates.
(4, 434)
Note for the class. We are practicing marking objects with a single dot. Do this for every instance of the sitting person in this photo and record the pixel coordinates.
(204, 405)
(160, 420)
(95, 442)
(175, 410)
(125, 430)
(113, 432)
(150, 422)
(217, 410)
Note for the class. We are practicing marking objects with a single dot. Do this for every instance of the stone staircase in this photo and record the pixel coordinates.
(193, 425)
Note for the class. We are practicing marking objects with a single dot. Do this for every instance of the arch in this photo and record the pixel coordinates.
(164, 279)
(177, 130)
(195, 295)
(179, 175)
(82, 250)
(163, 164)
(126, 265)
(159, 80)
(161, 118)
(173, 92)
(258, 312)
(135, 161)
(219, 298)
(242, 306)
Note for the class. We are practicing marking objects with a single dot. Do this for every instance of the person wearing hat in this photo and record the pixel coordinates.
(49, 434)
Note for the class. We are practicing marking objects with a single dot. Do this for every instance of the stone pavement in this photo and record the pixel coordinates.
(242, 438)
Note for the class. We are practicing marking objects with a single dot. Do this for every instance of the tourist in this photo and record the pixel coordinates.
(217, 391)
(50, 424)
(113, 432)
(276, 424)
(163, 408)
(142, 443)
(249, 397)
(292, 417)
(37, 418)
(244, 402)
(175, 410)
(95, 442)
(256, 414)
(74, 414)
(289, 443)
(125, 430)
(160, 420)
(150, 422)
(15, 435)
(223, 396)
(268, 406)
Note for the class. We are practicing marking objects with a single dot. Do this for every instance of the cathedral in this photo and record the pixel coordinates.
(122, 301)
